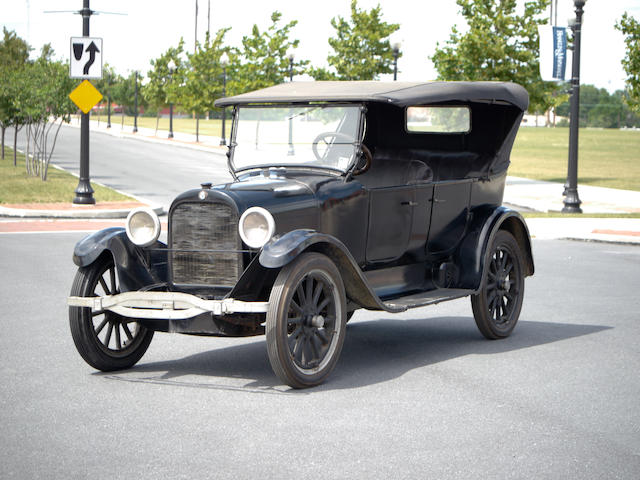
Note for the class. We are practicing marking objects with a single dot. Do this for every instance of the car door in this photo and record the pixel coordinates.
(449, 215)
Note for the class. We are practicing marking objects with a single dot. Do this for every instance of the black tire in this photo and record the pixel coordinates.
(105, 340)
(306, 321)
(496, 308)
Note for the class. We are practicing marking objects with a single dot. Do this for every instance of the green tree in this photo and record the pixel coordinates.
(204, 76)
(161, 89)
(263, 58)
(14, 56)
(124, 93)
(361, 47)
(630, 27)
(599, 108)
(106, 84)
(498, 45)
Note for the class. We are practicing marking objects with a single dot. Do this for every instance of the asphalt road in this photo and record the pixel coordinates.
(415, 395)
(152, 171)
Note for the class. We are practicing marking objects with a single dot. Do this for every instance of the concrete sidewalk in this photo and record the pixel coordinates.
(521, 193)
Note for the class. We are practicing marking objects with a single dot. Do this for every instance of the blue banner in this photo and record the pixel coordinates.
(559, 52)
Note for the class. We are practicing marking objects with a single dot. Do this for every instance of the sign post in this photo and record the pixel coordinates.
(84, 57)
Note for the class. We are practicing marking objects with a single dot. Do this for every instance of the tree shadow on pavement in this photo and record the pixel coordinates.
(374, 351)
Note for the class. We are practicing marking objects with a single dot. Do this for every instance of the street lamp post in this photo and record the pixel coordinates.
(171, 66)
(291, 57)
(224, 61)
(572, 200)
(108, 111)
(396, 51)
(135, 104)
(84, 191)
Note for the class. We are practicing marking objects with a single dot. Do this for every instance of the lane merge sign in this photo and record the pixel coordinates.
(85, 60)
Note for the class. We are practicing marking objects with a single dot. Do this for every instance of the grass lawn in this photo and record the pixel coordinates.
(17, 187)
(185, 125)
(606, 157)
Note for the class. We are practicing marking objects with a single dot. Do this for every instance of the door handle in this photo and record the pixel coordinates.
(438, 200)
(411, 204)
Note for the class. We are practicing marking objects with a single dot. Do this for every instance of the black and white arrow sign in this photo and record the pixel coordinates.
(85, 60)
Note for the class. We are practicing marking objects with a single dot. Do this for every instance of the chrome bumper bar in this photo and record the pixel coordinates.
(165, 305)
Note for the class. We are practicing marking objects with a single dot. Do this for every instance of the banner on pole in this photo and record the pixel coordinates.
(553, 52)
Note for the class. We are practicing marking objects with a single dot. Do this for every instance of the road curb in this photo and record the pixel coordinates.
(71, 213)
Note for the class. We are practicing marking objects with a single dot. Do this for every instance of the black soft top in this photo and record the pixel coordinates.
(401, 94)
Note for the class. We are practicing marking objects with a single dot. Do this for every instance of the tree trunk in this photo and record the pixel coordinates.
(3, 130)
(157, 121)
(197, 129)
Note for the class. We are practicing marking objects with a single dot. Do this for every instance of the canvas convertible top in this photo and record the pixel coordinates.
(401, 94)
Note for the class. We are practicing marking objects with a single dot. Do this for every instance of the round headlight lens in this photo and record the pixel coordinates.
(143, 226)
(256, 227)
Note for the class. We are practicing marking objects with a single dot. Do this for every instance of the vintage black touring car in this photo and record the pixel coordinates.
(346, 195)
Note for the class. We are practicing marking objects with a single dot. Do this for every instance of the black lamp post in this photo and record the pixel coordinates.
(84, 191)
(135, 104)
(171, 66)
(396, 51)
(291, 57)
(572, 200)
(224, 61)
(108, 111)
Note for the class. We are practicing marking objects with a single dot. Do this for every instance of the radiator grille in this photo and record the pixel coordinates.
(205, 245)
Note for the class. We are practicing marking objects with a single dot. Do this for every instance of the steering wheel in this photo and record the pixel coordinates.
(327, 138)
(367, 157)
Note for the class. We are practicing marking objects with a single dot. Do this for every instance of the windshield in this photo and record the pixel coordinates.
(320, 136)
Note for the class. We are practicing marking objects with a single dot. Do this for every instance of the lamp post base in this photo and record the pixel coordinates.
(572, 202)
(84, 193)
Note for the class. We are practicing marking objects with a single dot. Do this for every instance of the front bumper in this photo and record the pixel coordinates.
(165, 305)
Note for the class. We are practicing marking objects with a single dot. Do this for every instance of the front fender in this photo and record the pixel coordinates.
(286, 248)
(137, 267)
(472, 253)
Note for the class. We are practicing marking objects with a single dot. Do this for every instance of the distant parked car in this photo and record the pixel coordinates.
(346, 195)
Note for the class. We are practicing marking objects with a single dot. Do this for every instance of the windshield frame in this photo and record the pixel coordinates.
(336, 171)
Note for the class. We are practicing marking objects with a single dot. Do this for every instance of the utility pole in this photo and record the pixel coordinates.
(84, 192)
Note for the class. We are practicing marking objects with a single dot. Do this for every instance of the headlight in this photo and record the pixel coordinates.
(143, 226)
(256, 227)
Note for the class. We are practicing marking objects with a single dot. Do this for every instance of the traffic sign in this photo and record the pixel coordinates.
(86, 57)
(85, 96)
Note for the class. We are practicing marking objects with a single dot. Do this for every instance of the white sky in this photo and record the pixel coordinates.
(150, 27)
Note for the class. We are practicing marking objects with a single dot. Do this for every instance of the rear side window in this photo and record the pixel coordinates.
(441, 119)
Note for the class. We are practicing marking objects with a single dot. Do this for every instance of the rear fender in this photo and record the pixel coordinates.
(279, 252)
(472, 253)
(136, 267)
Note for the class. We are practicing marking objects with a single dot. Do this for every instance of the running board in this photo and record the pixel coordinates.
(426, 298)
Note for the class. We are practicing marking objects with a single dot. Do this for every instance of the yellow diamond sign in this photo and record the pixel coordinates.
(85, 96)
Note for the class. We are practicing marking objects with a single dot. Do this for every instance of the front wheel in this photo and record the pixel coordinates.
(306, 320)
(105, 340)
(496, 308)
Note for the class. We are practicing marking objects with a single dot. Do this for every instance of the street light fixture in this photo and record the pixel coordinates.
(224, 61)
(572, 200)
(171, 66)
(396, 52)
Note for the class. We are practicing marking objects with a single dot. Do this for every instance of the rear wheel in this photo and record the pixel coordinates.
(306, 321)
(105, 340)
(496, 308)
